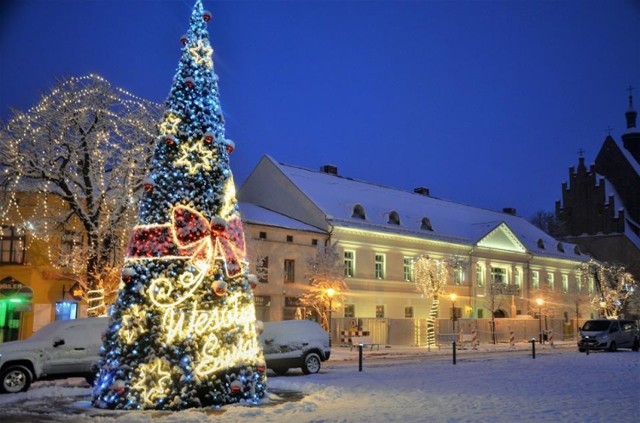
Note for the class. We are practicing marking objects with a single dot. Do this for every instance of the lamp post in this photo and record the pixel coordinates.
(452, 296)
(330, 293)
(540, 301)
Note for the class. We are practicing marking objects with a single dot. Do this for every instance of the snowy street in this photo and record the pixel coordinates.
(399, 385)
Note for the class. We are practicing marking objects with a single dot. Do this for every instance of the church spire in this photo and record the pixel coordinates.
(631, 113)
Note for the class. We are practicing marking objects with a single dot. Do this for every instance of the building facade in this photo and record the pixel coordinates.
(381, 230)
(600, 206)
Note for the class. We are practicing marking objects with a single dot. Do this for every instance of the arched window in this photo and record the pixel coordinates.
(426, 224)
(560, 247)
(394, 218)
(541, 244)
(358, 212)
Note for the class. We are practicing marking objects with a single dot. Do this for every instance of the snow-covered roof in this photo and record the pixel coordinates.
(337, 196)
(610, 191)
(261, 216)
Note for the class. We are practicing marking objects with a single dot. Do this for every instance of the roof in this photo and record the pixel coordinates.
(261, 216)
(337, 196)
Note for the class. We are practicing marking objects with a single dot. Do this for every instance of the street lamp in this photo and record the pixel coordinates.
(603, 304)
(540, 301)
(330, 293)
(452, 296)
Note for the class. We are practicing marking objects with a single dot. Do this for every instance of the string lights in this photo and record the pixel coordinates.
(183, 330)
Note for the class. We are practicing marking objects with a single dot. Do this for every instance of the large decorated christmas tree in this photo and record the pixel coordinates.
(183, 332)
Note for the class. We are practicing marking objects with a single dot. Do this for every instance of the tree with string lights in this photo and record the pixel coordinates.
(430, 277)
(183, 330)
(72, 169)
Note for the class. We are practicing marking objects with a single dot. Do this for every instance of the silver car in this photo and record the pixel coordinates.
(602, 334)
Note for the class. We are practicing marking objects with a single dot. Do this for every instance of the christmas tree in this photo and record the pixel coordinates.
(182, 331)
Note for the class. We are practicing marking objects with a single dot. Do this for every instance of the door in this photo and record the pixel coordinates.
(9, 321)
(74, 348)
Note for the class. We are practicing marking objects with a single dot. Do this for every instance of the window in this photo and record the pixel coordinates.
(517, 278)
(551, 281)
(535, 279)
(408, 312)
(66, 310)
(379, 311)
(314, 241)
(289, 238)
(379, 270)
(591, 285)
(12, 245)
(565, 283)
(262, 269)
(408, 269)
(480, 313)
(262, 235)
(541, 244)
(69, 243)
(499, 275)
(349, 263)
(349, 310)
(358, 212)
(480, 275)
(458, 276)
(289, 270)
(394, 218)
(426, 224)
(560, 247)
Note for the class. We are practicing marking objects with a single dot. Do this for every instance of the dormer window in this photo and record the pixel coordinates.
(358, 212)
(576, 250)
(394, 218)
(560, 247)
(541, 244)
(426, 224)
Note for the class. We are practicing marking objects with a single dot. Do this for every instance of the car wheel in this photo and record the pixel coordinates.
(636, 345)
(90, 379)
(311, 363)
(15, 379)
(613, 347)
(581, 349)
(280, 371)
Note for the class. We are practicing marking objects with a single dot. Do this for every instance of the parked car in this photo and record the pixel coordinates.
(65, 348)
(70, 348)
(294, 343)
(602, 334)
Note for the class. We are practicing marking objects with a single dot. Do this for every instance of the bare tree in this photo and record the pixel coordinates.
(430, 277)
(83, 151)
(326, 283)
(549, 222)
(497, 295)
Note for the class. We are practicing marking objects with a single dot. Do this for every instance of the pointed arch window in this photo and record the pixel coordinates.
(426, 224)
(358, 212)
(394, 218)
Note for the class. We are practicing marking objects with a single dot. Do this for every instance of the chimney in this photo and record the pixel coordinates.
(329, 169)
(422, 191)
(509, 210)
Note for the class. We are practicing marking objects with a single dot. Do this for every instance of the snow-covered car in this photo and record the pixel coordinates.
(65, 348)
(602, 334)
(294, 343)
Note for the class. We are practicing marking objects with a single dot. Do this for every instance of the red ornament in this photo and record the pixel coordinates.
(230, 145)
(208, 137)
(170, 140)
(189, 82)
(220, 288)
(127, 275)
(261, 369)
(206, 16)
(236, 387)
(183, 40)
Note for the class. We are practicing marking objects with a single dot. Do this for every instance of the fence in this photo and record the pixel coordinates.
(413, 332)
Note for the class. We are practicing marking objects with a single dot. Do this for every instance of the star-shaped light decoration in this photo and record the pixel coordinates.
(202, 53)
(195, 156)
(170, 124)
(154, 381)
(132, 324)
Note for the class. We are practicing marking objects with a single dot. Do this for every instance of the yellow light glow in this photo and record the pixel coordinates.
(170, 124)
(452, 296)
(540, 301)
(202, 54)
(195, 156)
(154, 381)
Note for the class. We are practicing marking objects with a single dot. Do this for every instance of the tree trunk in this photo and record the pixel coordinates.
(431, 321)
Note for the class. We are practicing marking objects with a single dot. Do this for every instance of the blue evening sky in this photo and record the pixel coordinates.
(484, 102)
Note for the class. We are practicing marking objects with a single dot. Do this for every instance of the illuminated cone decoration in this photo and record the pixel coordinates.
(183, 331)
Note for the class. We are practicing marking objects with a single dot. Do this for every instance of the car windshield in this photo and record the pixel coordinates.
(596, 325)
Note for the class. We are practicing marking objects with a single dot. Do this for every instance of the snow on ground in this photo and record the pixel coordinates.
(398, 385)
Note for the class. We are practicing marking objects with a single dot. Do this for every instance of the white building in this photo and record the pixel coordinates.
(380, 230)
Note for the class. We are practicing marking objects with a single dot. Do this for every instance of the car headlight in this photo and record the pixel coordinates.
(603, 337)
